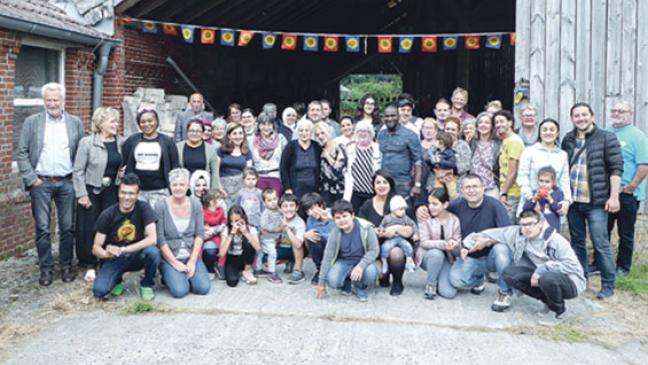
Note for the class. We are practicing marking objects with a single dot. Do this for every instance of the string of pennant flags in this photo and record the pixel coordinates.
(314, 42)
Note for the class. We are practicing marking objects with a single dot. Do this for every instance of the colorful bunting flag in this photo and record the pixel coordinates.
(125, 20)
(472, 42)
(187, 33)
(311, 43)
(405, 44)
(207, 36)
(449, 43)
(385, 44)
(227, 37)
(512, 35)
(245, 37)
(352, 43)
(494, 41)
(269, 40)
(169, 29)
(148, 27)
(429, 44)
(289, 41)
(331, 43)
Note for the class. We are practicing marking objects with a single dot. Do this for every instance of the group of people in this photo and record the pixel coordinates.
(467, 199)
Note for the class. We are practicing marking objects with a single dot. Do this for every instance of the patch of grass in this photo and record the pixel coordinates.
(636, 282)
(566, 333)
(141, 306)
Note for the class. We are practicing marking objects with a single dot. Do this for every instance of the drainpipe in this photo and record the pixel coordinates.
(100, 71)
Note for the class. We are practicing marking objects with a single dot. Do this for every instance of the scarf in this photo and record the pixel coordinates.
(266, 148)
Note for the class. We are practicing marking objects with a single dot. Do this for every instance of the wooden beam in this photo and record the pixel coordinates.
(567, 95)
(598, 57)
(219, 19)
(203, 9)
(537, 54)
(263, 11)
(125, 5)
(177, 8)
(523, 40)
(583, 48)
(552, 60)
(145, 8)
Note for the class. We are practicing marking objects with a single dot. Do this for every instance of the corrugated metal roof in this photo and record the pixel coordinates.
(45, 13)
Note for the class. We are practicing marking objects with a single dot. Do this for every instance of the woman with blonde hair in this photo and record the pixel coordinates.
(96, 171)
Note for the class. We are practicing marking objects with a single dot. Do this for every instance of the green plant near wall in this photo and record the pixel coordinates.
(385, 88)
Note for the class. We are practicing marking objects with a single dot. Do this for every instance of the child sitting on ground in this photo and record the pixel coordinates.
(271, 228)
(249, 197)
(546, 199)
(214, 215)
(444, 164)
(397, 217)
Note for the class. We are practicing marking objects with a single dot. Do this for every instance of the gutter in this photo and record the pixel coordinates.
(104, 45)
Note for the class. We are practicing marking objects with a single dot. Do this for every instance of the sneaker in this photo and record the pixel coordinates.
(220, 272)
(290, 266)
(492, 277)
(361, 294)
(478, 289)
(621, 272)
(261, 272)
(248, 277)
(410, 267)
(502, 303)
(552, 319)
(593, 269)
(430, 292)
(211, 276)
(90, 276)
(384, 267)
(605, 293)
(315, 279)
(117, 290)
(46, 278)
(396, 289)
(297, 277)
(147, 293)
(274, 278)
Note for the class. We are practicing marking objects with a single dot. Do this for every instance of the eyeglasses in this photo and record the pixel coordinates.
(194, 131)
(620, 111)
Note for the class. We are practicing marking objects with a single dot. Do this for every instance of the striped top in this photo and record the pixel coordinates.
(362, 170)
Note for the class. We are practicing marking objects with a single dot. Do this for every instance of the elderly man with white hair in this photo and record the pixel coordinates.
(45, 155)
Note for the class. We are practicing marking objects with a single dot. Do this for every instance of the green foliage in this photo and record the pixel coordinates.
(636, 282)
(141, 306)
(385, 88)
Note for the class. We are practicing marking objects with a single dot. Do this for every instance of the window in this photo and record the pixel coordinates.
(36, 65)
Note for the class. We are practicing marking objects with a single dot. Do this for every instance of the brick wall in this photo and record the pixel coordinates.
(79, 68)
(16, 225)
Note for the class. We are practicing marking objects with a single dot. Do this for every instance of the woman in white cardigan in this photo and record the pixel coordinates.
(546, 152)
(364, 160)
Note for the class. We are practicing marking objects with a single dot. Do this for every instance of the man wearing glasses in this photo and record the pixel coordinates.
(634, 147)
(544, 265)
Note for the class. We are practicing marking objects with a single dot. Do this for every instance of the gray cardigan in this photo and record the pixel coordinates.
(31, 142)
(90, 163)
(167, 233)
(213, 163)
(369, 242)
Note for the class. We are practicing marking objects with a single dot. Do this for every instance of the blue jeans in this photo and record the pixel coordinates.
(396, 241)
(178, 283)
(596, 218)
(111, 271)
(437, 265)
(339, 273)
(625, 220)
(62, 192)
(470, 273)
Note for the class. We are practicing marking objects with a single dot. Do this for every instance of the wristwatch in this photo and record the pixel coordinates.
(122, 249)
(417, 184)
(504, 194)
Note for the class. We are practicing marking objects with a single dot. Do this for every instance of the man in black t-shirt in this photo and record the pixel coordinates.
(125, 241)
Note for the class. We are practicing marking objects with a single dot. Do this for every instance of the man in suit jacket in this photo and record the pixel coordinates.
(45, 156)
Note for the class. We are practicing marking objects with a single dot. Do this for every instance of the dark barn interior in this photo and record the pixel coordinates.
(252, 76)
